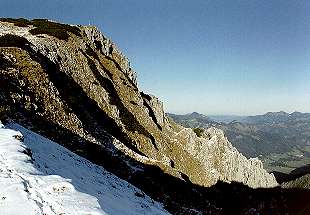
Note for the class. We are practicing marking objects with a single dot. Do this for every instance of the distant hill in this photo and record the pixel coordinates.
(193, 120)
(227, 118)
(278, 117)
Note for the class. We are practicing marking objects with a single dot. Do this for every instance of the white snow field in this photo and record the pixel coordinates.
(57, 181)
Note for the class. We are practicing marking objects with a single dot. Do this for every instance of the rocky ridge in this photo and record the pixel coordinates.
(83, 87)
(223, 160)
(302, 182)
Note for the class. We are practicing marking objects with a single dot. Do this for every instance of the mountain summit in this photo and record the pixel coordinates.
(73, 85)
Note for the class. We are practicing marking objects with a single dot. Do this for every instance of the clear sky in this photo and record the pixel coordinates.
(214, 57)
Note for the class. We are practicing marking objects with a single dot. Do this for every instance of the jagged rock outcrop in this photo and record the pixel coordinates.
(302, 182)
(155, 108)
(60, 78)
(108, 48)
(223, 161)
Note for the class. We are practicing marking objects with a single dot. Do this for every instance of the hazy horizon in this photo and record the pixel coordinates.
(212, 57)
(231, 114)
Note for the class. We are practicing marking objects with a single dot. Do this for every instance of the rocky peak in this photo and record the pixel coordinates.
(195, 114)
(108, 48)
(71, 84)
(275, 114)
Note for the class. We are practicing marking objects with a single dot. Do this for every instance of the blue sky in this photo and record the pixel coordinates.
(214, 57)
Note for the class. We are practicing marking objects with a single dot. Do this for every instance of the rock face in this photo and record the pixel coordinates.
(302, 182)
(223, 161)
(155, 109)
(73, 80)
(108, 48)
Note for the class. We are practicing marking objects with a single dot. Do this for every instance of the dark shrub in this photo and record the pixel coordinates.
(43, 26)
(9, 40)
(58, 33)
(21, 22)
(57, 30)
(4, 113)
(198, 131)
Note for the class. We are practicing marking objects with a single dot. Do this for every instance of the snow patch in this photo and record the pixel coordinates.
(38, 176)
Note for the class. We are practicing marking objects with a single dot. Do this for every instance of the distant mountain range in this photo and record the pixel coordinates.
(227, 118)
(280, 139)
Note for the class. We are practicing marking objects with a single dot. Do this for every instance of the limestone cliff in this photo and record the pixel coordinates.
(76, 81)
(222, 160)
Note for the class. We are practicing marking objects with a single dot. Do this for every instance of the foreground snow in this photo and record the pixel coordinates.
(57, 181)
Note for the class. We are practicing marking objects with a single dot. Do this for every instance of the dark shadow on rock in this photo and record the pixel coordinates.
(178, 196)
(294, 174)
(281, 176)
(301, 170)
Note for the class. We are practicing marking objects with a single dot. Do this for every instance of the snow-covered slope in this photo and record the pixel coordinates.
(38, 176)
